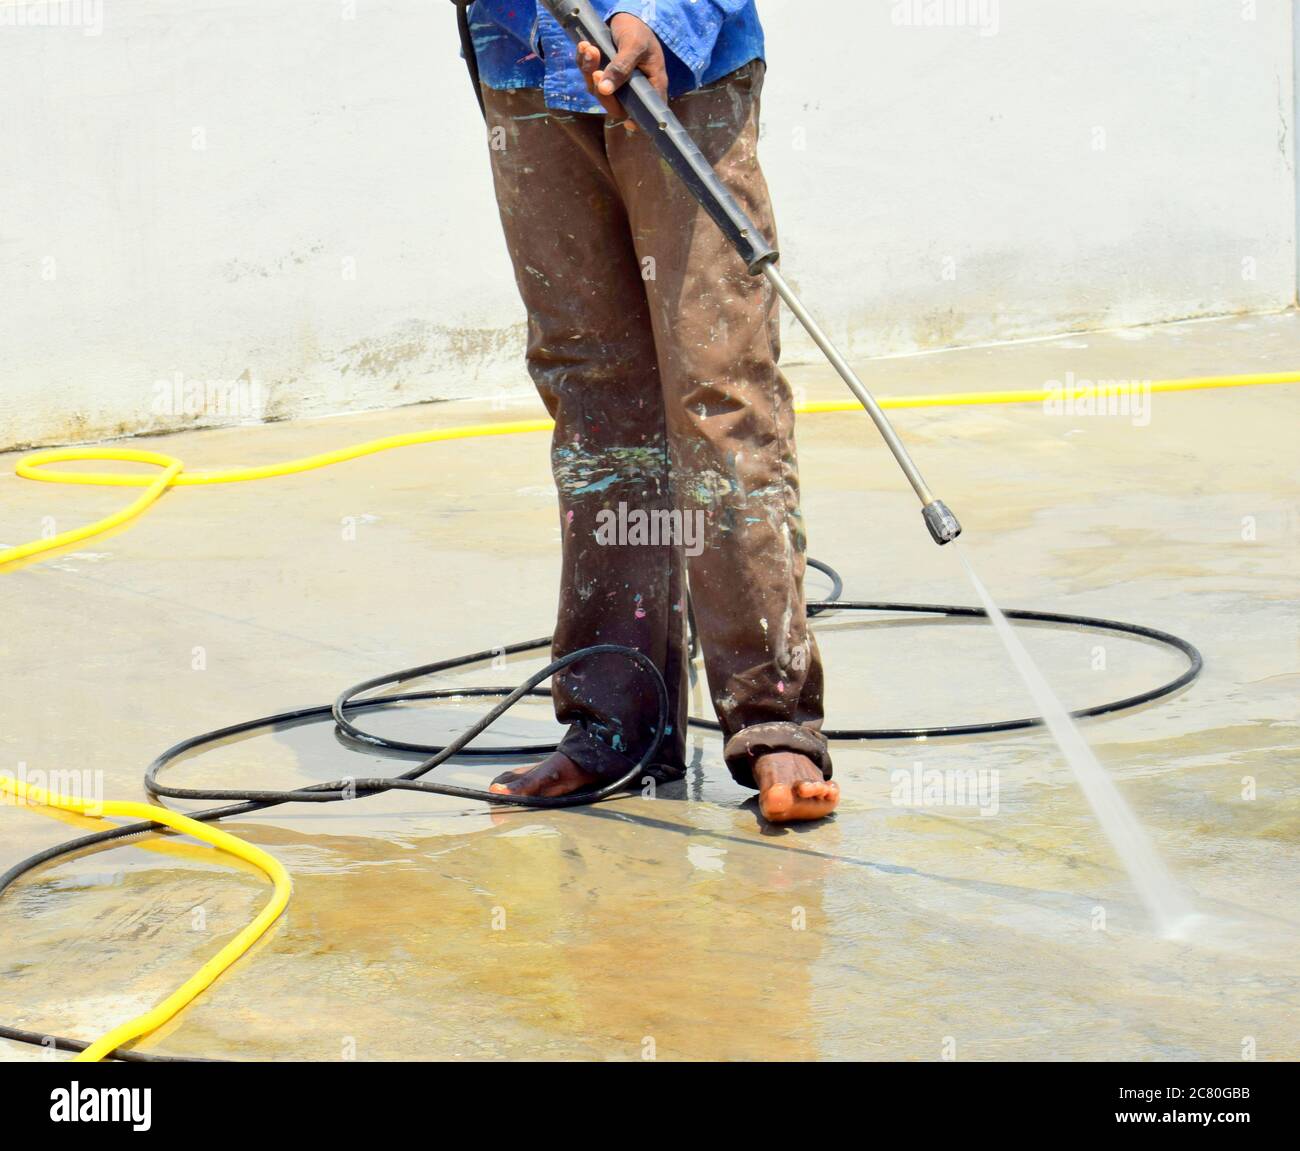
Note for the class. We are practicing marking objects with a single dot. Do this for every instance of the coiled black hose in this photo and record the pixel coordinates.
(354, 700)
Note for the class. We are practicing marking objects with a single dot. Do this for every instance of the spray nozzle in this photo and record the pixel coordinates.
(942, 523)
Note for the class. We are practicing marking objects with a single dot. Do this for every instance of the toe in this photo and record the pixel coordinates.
(776, 802)
(557, 775)
(513, 782)
(809, 800)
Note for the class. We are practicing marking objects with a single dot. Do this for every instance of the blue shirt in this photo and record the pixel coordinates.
(519, 45)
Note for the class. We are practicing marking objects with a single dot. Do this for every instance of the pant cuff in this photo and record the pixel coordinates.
(750, 742)
(596, 756)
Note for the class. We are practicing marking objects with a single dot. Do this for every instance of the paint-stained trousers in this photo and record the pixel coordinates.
(656, 353)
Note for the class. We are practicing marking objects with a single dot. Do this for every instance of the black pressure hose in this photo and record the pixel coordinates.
(351, 699)
(354, 700)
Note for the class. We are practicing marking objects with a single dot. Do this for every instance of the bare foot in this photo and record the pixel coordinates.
(791, 788)
(556, 775)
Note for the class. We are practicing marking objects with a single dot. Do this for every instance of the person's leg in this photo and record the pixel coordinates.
(592, 358)
(730, 419)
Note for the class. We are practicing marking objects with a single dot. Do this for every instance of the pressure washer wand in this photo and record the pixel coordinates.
(655, 118)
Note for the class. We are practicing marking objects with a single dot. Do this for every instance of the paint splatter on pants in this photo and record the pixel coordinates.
(656, 353)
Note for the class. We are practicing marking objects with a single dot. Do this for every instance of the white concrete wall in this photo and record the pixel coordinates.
(295, 194)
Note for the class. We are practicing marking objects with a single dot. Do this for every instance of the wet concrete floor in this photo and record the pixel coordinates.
(678, 926)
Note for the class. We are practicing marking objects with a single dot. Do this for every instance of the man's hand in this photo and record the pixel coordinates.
(638, 48)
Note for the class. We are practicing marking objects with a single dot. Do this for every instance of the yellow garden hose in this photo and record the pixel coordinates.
(1097, 390)
(172, 474)
(35, 466)
(155, 485)
(197, 983)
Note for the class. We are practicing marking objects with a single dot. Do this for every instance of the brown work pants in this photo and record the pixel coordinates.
(656, 353)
